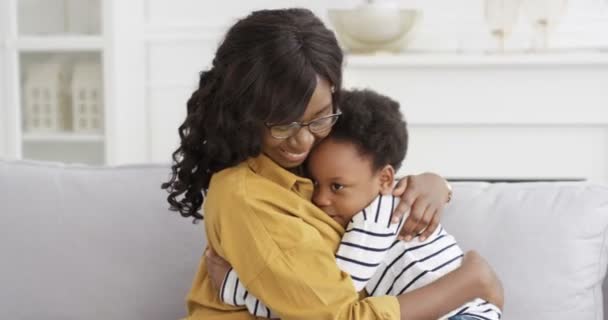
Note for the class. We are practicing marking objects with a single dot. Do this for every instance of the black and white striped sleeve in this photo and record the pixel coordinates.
(367, 239)
(234, 293)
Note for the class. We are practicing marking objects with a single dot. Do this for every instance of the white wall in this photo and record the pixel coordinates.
(513, 119)
(463, 93)
(470, 116)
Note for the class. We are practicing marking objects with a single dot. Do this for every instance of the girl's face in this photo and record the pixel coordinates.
(345, 181)
(291, 152)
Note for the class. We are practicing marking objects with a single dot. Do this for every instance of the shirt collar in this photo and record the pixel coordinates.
(267, 168)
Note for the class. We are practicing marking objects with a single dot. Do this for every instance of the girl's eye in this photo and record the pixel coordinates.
(315, 183)
(336, 186)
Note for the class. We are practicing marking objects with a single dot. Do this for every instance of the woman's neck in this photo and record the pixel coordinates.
(299, 170)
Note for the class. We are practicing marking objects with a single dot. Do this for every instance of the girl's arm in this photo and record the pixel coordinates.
(233, 292)
(368, 238)
(474, 278)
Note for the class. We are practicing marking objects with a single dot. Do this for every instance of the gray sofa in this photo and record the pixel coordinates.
(81, 242)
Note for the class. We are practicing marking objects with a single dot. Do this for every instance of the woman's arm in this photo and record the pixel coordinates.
(473, 279)
(424, 196)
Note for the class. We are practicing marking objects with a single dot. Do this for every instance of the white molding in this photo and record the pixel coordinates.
(63, 137)
(439, 35)
(551, 58)
(58, 43)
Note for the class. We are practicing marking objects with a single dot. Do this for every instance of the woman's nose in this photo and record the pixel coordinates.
(303, 139)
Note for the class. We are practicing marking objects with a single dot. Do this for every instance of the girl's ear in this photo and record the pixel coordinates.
(387, 176)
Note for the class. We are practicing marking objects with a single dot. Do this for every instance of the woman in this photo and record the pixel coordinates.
(270, 96)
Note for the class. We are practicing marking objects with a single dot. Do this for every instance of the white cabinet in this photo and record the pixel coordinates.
(61, 97)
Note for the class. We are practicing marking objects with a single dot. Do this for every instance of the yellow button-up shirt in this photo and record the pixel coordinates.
(259, 217)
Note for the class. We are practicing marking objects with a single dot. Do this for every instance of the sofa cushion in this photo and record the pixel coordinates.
(81, 242)
(547, 241)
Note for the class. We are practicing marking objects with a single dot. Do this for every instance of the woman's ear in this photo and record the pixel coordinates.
(387, 176)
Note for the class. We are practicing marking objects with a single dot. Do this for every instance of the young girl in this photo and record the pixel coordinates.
(268, 98)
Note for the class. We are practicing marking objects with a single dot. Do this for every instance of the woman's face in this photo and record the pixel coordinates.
(291, 152)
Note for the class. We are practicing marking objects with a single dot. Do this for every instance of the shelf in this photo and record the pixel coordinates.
(62, 137)
(478, 59)
(59, 43)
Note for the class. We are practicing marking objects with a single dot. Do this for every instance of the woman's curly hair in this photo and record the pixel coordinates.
(265, 70)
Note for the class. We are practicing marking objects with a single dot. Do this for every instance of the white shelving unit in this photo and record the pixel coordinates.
(28, 44)
(74, 33)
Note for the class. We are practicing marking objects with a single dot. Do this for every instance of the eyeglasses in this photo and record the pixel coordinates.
(316, 126)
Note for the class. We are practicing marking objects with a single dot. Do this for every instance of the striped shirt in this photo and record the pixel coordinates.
(379, 263)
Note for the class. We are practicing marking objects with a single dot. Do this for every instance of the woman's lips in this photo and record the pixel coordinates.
(293, 156)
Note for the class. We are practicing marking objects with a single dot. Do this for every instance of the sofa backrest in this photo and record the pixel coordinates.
(81, 242)
(547, 242)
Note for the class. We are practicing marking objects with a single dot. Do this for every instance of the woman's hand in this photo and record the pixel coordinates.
(424, 197)
(217, 268)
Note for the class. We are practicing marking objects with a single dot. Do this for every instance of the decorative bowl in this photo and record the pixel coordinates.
(372, 27)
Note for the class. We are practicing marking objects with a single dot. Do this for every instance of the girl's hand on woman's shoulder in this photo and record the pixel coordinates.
(217, 268)
(424, 196)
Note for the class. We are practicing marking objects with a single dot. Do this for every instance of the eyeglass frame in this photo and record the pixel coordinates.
(302, 124)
